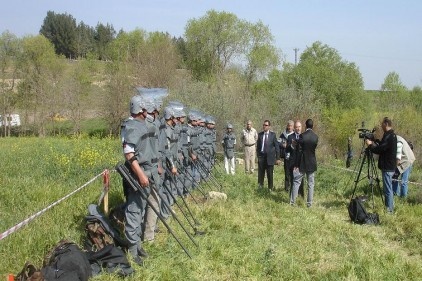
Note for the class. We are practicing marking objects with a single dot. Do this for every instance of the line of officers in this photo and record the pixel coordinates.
(162, 151)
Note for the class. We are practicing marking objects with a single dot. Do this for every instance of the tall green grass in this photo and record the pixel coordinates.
(254, 235)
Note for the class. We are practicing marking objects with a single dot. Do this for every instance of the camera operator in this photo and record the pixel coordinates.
(387, 149)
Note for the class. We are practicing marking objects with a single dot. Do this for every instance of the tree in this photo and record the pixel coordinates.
(128, 46)
(416, 97)
(41, 72)
(9, 51)
(337, 82)
(75, 90)
(212, 43)
(104, 35)
(61, 30)
(119, 89)
(261, 55)
(182, 49)
(393, 95)
(151, 57)
(160, 60)
(284, 102)
(392, 83)
(85, 43)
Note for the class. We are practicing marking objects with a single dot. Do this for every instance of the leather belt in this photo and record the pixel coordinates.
(249, 144)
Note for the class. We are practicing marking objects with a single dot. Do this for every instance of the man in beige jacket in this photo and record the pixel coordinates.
(405, 159)
(249, 138)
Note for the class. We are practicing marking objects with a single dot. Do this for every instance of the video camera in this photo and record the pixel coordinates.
(367, 134)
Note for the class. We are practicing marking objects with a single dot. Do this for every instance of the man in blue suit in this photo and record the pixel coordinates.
(268, 151)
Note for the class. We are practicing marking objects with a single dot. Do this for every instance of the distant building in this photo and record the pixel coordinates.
(11, 120)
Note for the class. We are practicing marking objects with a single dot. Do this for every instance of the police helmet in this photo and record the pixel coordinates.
(169, 112)
(229, 126)
(212, 121)
(179, 113)
(201, 117)
(209, 120)
(149, 104)
(193, 115)
(136, 104)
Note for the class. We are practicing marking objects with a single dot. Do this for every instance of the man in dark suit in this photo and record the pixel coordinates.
(268, 151)
(292, 152)
(305, 163)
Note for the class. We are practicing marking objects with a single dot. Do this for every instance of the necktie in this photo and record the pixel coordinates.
(264, 142)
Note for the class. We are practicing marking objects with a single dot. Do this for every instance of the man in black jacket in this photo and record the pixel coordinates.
(387, 150)
(305, 163)
(286, 155)
(268, 151)
(292, 150)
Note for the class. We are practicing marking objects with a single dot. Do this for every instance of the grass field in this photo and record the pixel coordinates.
(254, 235)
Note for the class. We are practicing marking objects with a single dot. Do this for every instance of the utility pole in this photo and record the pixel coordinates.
(296, 50)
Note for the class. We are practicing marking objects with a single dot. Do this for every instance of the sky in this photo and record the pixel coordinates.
(379, 36)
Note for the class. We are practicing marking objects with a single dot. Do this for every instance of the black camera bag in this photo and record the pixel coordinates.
(359, 215)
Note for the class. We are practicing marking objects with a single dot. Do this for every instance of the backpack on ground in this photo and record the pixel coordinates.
(100, 231)
(110, 259)
(66, 262)
(97, 237)
(29, 273)
(358, 214)
(105, 245)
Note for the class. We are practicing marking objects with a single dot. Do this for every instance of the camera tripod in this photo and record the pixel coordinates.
(366, 157)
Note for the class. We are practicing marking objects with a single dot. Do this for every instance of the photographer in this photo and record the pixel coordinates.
(387, 149)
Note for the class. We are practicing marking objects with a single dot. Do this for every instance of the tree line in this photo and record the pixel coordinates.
(223, 65)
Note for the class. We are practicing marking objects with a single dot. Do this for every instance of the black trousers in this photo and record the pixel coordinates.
(263, 168)
(287, 176)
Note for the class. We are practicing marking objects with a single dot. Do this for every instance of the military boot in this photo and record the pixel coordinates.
(133, 252)
(141, 252)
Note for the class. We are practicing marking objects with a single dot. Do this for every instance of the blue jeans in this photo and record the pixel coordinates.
(387, 182)
(402, 190)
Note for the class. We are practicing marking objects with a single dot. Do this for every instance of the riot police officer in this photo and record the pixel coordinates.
(228, 142)
(140, 159)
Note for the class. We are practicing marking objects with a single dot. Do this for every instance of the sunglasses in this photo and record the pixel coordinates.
(265, 125)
